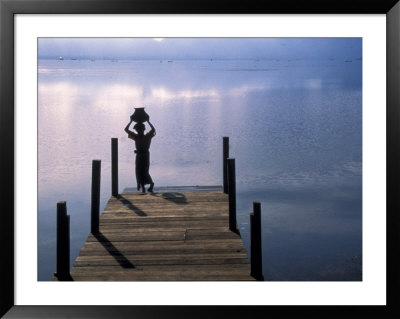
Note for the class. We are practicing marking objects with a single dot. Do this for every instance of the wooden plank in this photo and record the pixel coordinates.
(160, 250)
(178, 199)
(183, 259)
(165, 276)
(167, 224)
(187, 235)
(175, 258)
(198, 234)
(166, 261)
(174, 213)
(163, 273)
(157, 268)
(161, 246)
(202, 243)
(169, 217)
(222, 229)
(135, 236)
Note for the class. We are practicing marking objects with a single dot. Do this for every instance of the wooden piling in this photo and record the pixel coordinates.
(232, 194)
(95, 211)
(63, 242)
(255, 242)
(114, 166)
(225, 155)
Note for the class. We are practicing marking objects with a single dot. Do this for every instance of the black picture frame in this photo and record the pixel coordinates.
(8, 8)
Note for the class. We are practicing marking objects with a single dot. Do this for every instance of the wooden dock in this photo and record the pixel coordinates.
(165, 236)
(176, 233)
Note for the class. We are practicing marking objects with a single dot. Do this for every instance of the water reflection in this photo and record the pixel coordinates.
(294, 127)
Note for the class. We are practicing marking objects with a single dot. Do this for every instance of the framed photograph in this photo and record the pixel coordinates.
(309, 80)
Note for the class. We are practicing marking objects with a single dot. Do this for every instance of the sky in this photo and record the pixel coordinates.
(201, 48)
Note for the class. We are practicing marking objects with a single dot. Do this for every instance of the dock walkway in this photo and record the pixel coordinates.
(173, 235)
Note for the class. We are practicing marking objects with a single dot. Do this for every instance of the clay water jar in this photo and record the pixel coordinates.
(140, 115)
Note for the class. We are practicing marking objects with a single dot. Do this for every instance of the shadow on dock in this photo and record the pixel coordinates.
(113, 251)
(129, 205)
(177, 198)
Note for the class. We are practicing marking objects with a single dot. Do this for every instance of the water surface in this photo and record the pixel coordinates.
(294, 127)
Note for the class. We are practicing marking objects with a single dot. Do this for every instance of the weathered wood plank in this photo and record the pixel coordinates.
(161, 235)
(198, 234)
(201, 243)
(166, 224)
(163, 229)
(140, 260)
(160, 213)
(134, 236)
(179, 198)
(160, 250)
(154, 219)
(165, 248)
(165, 276)
(162, 268)
(162, 273)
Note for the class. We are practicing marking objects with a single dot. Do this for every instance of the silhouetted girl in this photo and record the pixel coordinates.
(142, 142)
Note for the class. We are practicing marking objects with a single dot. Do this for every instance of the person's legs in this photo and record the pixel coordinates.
(148, 178)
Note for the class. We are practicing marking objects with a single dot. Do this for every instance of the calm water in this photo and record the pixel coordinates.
(294, 128)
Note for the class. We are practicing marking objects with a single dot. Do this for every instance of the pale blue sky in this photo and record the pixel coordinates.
(197, 48)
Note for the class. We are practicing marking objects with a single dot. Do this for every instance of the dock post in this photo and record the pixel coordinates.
(96, 166)
(255, 242)
(63, 244)
(114, 166)
(225, 155)
(232, 194)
